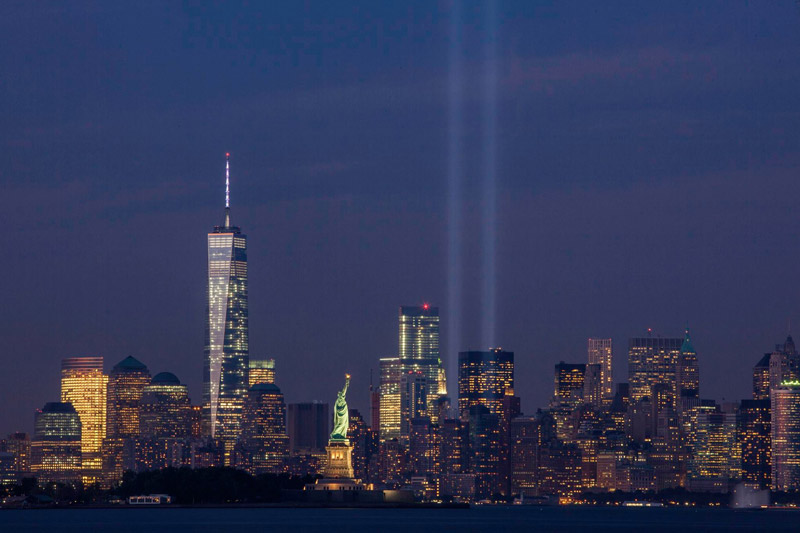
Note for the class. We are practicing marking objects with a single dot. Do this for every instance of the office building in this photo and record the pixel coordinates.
(755, 435)
(418, 350)
(687, 372)
(164, 423)
(716, 451)
(261, 371)
(263, 440)
(83, 385)
(126, 382)
(785, 403)
(413, 400)
(761, 378)
(308, 427)
(56, 444)
(652, 361)
(225, 372)
(568, 383)
(484, 378)
(389, 390)
(601, 353)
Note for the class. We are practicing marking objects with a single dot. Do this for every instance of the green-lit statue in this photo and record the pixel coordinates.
(341, 416)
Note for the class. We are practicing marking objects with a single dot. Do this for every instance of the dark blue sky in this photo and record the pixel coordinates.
(647, 175)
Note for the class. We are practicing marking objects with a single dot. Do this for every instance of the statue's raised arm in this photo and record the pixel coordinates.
(341, 415)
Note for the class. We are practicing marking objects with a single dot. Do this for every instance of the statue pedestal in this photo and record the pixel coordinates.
(340, 463)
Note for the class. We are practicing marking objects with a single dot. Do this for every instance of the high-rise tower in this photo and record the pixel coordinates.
(83, 384)
(419, 352)
(601, 353)
(225, 372)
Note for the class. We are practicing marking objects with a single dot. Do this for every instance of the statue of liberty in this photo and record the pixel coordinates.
(341, 415)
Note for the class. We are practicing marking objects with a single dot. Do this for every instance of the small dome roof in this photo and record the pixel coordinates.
(265, 387)
(165, 378)
(58, 407)
(130, 363)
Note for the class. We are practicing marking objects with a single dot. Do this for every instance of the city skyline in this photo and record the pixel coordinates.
(644, 179)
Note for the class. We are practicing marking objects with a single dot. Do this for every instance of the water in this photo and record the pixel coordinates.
(483, 518)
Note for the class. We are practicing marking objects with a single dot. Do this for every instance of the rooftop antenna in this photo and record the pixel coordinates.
(227, 189)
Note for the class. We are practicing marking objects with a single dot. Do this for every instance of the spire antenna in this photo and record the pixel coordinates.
(227, 189)
(227, 180)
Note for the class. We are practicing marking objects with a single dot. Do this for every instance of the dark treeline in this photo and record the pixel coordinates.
(185, 485)
(210, 485)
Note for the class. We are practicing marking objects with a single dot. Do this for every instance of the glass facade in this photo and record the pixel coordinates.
(390, 368)
(225, 375)
(264, 443)
(785, 401)
(485, 378)
(652, 361)
(261, 371)
(601, 353)
(83, 384)
(56, 444)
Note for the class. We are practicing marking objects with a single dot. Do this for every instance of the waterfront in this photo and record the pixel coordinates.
(480, 518)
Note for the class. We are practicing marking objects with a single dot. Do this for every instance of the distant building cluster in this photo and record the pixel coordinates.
(651, 433)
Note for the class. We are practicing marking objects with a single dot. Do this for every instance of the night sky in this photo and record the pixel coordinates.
(646, 175)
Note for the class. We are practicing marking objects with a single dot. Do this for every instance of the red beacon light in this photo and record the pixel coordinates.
(227, 154)
(425, 306)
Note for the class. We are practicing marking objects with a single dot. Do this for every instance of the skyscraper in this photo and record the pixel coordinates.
(601, 353)
(419, 332)
(126, 382)
(225, 373)
(389, 404)
(755, 436)
(785, 402)
(164, 423)
(263, 441)
(652, 361)
(413, 399)
(309, 427)
(418, 328)
(568, 383)
(687, 371)
(261, 371)
(56, 444)
(761, 378)
(484, 378)
(83, 385)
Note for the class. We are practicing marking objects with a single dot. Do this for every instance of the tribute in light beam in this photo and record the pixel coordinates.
(454, 192)
(489, 227)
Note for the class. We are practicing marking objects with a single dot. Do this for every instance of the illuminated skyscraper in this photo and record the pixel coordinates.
(568, 383)
(755, 436)
(784, 364)
(225, 373)
(389, 404)
(83, 384)
(413, 399)
(687, 371)
(19, 446)
(262, 371)
(419, 351)
(716, 451)
(263, 440)
(652, 361)
(419, 332)
(785, 402)
(126, 382)
(761, 378)
(164, 423)
(485, 378)
(601, 353)
(56, 444)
